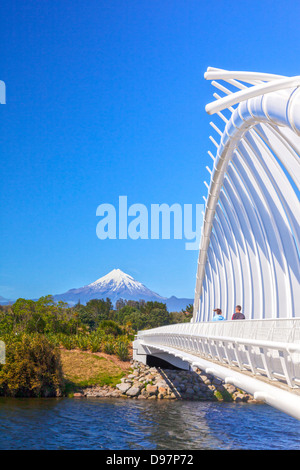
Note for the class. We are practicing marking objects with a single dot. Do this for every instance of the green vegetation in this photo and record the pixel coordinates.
(223, 395)
(33, 367)
(38, 335)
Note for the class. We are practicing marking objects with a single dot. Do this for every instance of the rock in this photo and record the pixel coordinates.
(230, 388)
(238, 399)
(123, 387)
(151, 389)
(161, 383)
(144, 382)
(133, 392)
(217, 381)
(176, 383)
(162, 390)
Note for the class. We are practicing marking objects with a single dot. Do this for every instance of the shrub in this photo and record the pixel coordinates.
(32, 369)
(54, 339)
(82, 342)
(122, 351)
(95, 343)
(110, 328)
(109, 346)
(67, 342)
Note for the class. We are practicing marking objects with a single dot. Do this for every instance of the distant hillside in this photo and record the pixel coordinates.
(4, 301)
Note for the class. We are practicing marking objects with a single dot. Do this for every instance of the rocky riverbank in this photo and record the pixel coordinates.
(153, 383)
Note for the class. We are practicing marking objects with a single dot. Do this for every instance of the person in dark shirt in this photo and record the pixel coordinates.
(238, 315)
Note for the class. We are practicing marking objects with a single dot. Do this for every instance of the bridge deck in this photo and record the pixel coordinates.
(250, 358)
(280, 383)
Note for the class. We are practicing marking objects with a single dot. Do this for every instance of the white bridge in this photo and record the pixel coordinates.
(250, 245)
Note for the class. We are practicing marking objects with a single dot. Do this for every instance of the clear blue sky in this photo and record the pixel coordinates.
(106, 98)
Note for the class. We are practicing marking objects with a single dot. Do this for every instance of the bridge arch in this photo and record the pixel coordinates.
(249, 247)
(250, 242)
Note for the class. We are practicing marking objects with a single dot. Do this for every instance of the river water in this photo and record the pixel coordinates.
(116, 424)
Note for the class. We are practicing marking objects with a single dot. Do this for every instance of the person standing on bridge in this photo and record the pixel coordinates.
(238, 315)
(218, 316)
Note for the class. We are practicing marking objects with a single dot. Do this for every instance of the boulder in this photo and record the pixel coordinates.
(162, 390)
(124, 387)
(151, 389)
(133, 392)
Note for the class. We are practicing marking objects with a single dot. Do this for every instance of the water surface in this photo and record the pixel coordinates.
(114, 424)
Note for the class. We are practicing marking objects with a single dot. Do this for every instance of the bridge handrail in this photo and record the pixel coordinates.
(276, 359)
(290, 347)
(237, 329)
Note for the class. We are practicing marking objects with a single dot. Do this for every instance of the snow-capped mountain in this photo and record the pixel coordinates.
(118, 285)
(114, 285)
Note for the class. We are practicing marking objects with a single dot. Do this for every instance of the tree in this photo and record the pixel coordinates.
(95, 311)
(120, 303)
(188, 309)
(110, 327)
(158, 317)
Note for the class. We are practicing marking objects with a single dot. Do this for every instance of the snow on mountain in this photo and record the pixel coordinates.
(114, 285)
(119, 285)
(117, 280)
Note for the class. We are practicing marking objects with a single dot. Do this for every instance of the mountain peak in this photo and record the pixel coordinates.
(116, 285)
(115, 276)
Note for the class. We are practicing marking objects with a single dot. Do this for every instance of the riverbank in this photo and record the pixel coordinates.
(152, 383)
(82, 374)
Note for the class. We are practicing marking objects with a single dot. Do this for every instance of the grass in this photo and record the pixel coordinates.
(223, 395)
(85, 369)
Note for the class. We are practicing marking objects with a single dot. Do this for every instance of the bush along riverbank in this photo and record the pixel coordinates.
(53, 350)
(38, 334)
(144, 382)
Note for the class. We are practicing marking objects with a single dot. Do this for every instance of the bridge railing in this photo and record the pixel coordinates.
(269, 348)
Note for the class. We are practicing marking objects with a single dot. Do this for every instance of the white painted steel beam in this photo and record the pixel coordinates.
(252, 92)
(253, 200)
